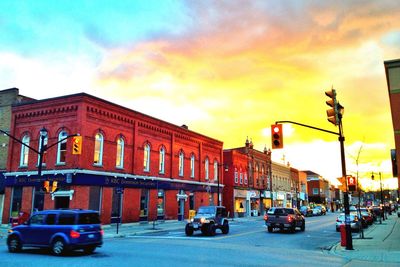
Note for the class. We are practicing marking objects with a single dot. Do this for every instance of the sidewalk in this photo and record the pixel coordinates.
(381, 245)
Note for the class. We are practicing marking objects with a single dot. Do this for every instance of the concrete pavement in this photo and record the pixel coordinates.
(380, 246)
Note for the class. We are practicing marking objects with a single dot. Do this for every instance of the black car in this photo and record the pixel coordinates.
(207, 220)
(59, 230)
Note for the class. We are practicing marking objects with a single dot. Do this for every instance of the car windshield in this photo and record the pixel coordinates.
(206, 210)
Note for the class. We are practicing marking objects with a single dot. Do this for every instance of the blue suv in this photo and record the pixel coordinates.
(59, 230)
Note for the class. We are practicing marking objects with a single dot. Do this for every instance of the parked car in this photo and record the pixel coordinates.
(208, 219)
(284, 219)
(322, 208)
(367, 216)
(306, 211)
(354, 222)
(316, 211)
(59, 230)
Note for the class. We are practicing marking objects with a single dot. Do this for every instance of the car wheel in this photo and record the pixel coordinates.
(303, 226)
(270, 229)
(225, 228)
(14, 244)
(188, 230)
(58, 247)
(292, 229)
(89, 249)
(211, 229)
(204, 229)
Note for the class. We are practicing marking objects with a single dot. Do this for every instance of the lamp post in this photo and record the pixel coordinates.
(42, 149)
(380, 183)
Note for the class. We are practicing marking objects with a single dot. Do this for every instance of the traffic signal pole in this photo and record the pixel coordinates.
(349, 238)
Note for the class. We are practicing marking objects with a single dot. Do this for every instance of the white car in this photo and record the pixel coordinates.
(316, 212)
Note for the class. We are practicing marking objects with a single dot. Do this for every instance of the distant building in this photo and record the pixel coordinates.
(281, 185)
(247, 179)
(318, 188)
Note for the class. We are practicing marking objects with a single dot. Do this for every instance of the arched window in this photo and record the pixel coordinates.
(215, 170)
(45, 140)
(181, 162)
(62, 147)
(146, 158)
(120, 153)
(192, 159)
(206, 169)
(23, 162)
(98, 149)
(161, 162)
(241, 176)
(236, 176)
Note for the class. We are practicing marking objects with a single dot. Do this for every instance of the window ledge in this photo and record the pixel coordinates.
(60, 164)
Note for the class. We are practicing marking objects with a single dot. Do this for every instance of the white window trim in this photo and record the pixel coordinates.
(206, 169)
(215, 170)
(100, 149)
(60, 137)
(192, 161)
(181, 163)
(146, 160)
(24, 152)
(121, 144)
(161, 166)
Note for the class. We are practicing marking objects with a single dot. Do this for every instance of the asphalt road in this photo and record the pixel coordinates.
(247, 244)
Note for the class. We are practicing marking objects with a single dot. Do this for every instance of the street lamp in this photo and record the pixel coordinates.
(380, 183)
(42, 149)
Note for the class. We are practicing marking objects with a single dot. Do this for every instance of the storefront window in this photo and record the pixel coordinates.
(116, 204)
(144, 197)
(38, 199)
(95, 198)
(160, 202)
(16, 201)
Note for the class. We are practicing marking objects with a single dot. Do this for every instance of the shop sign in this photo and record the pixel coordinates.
(253, 194)
(240, 193)
(280, 195)
(265, 194)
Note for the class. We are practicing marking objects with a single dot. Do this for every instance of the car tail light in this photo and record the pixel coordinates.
(290, 219)
(101, 231)
(74, 234)
(265, 217)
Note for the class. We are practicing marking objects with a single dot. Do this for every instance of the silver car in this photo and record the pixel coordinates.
(354, 222)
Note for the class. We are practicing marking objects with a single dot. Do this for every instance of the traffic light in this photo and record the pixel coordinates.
(276, 136)
(76, 145)
(352, 183)
(46, 186)
(342, 186)
(332, 113)
(54, 187)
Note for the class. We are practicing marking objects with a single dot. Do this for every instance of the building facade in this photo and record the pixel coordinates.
(8, 97)
(132, 167)
(247, 180)
(281, 185)
(392, 70)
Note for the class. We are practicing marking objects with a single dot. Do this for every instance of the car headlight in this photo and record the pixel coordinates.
(204, 220)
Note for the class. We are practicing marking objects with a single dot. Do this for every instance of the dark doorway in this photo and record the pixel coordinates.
(61, 202)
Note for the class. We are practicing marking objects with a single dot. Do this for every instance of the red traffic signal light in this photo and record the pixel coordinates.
(352, 183)
(76, 145)
(276, 136)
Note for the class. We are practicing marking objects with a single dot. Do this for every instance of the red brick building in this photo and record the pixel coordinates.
(248, 184)
(133, 167)
(392, 69)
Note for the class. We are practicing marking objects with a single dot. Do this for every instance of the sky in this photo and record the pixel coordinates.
(226, 69)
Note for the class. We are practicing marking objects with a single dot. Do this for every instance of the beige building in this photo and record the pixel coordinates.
(281, 185)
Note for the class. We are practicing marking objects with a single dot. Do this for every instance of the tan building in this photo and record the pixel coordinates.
(281, 185)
